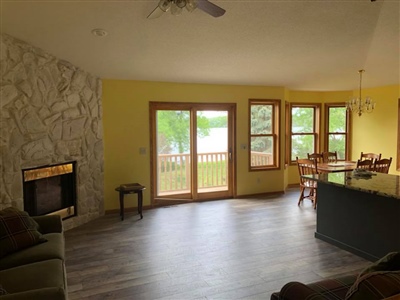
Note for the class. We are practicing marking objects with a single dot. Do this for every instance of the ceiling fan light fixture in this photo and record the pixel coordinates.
(191, 5)
(175, 10)
(164, 5)
(176, 6)
(180, 3)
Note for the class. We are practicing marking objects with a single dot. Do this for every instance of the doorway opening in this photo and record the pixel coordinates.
(193, 157)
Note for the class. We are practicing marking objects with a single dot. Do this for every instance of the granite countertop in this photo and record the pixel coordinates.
(386, 185)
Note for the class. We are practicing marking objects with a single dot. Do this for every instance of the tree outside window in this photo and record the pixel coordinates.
(305, 120)
(337, 128)
(264, 134)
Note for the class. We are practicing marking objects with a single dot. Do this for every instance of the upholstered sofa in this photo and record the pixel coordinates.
(379, 281)
(31, 257)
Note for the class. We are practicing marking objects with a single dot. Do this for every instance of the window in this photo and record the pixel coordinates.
(304, 130)
(264, 134)
(337, 129)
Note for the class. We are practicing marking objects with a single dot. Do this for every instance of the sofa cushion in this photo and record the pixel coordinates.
(49, 223)
(35, 276)
(17, 231)
(54, 248)
(375, 285)
(39, 294)
(297, 290)
(333, 289)
(390, 262)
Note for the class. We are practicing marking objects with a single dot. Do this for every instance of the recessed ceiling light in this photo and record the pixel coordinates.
(99, 32)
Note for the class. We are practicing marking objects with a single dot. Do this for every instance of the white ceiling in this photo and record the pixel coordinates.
(299, 44)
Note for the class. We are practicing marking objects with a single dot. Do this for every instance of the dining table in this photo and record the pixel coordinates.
(339, 166)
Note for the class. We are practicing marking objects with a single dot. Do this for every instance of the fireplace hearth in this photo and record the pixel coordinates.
(50, 190)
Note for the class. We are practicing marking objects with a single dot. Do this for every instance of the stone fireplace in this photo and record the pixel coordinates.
(50, 114)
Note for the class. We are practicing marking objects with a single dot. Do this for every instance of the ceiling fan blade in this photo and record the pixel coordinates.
(210, 8)
(156, 13)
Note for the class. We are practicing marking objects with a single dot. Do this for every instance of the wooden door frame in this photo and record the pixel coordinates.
(397, 164)
(193, 107)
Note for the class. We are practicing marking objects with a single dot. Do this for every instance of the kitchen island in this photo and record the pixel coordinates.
(359, 214)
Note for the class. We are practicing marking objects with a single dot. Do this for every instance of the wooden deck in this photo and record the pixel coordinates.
(201, 190)
(225, 249)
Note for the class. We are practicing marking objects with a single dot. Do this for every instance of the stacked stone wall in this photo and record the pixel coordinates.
(50, 112)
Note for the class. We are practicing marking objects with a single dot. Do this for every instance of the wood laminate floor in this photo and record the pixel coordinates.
(225, 249)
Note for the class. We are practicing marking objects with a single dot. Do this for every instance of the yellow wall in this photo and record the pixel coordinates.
(377, 132)
(126, 129)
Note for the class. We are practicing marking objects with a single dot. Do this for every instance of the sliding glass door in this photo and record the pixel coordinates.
(192, 153)
(213, 153)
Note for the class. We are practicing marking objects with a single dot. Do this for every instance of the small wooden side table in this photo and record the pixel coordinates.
(130, 188)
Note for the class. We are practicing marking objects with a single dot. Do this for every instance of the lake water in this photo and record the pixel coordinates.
(217, 141)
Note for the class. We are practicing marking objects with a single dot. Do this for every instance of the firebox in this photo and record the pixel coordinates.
(50, 189)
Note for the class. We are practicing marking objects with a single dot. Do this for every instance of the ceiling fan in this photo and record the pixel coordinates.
(176, 7)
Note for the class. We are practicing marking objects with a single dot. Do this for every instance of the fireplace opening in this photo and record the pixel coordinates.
(50, 190)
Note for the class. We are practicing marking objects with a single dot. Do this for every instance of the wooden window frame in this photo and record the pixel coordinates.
(398, 136)
(276, 108)
(287, 134)
(346, 133)
(316, 126)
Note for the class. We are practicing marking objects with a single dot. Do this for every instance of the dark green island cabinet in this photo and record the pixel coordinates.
(360, 215)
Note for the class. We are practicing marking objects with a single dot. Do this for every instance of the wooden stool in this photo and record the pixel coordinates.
(130, 188)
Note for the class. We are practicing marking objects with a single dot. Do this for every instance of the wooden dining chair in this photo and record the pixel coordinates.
(370, 156)
(365, 164)
(382, 165)
(316, 156)
(307, 167)
(329, 156)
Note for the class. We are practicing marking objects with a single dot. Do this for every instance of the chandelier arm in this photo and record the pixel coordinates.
(361, 71)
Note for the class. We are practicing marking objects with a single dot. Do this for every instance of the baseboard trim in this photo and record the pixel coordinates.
(127, 209)
(293, 185)
(176, 202)
(345, 246)
(260, 195)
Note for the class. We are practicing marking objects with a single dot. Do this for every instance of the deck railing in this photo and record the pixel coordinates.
(173, 172)
(261, 159)
(212, 170)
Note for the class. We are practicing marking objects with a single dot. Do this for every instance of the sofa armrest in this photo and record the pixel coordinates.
(53, 293)
(394, 297)
(298, 291)
(49, 224)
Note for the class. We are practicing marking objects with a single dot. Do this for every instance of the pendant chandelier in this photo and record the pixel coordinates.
(360, 105)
